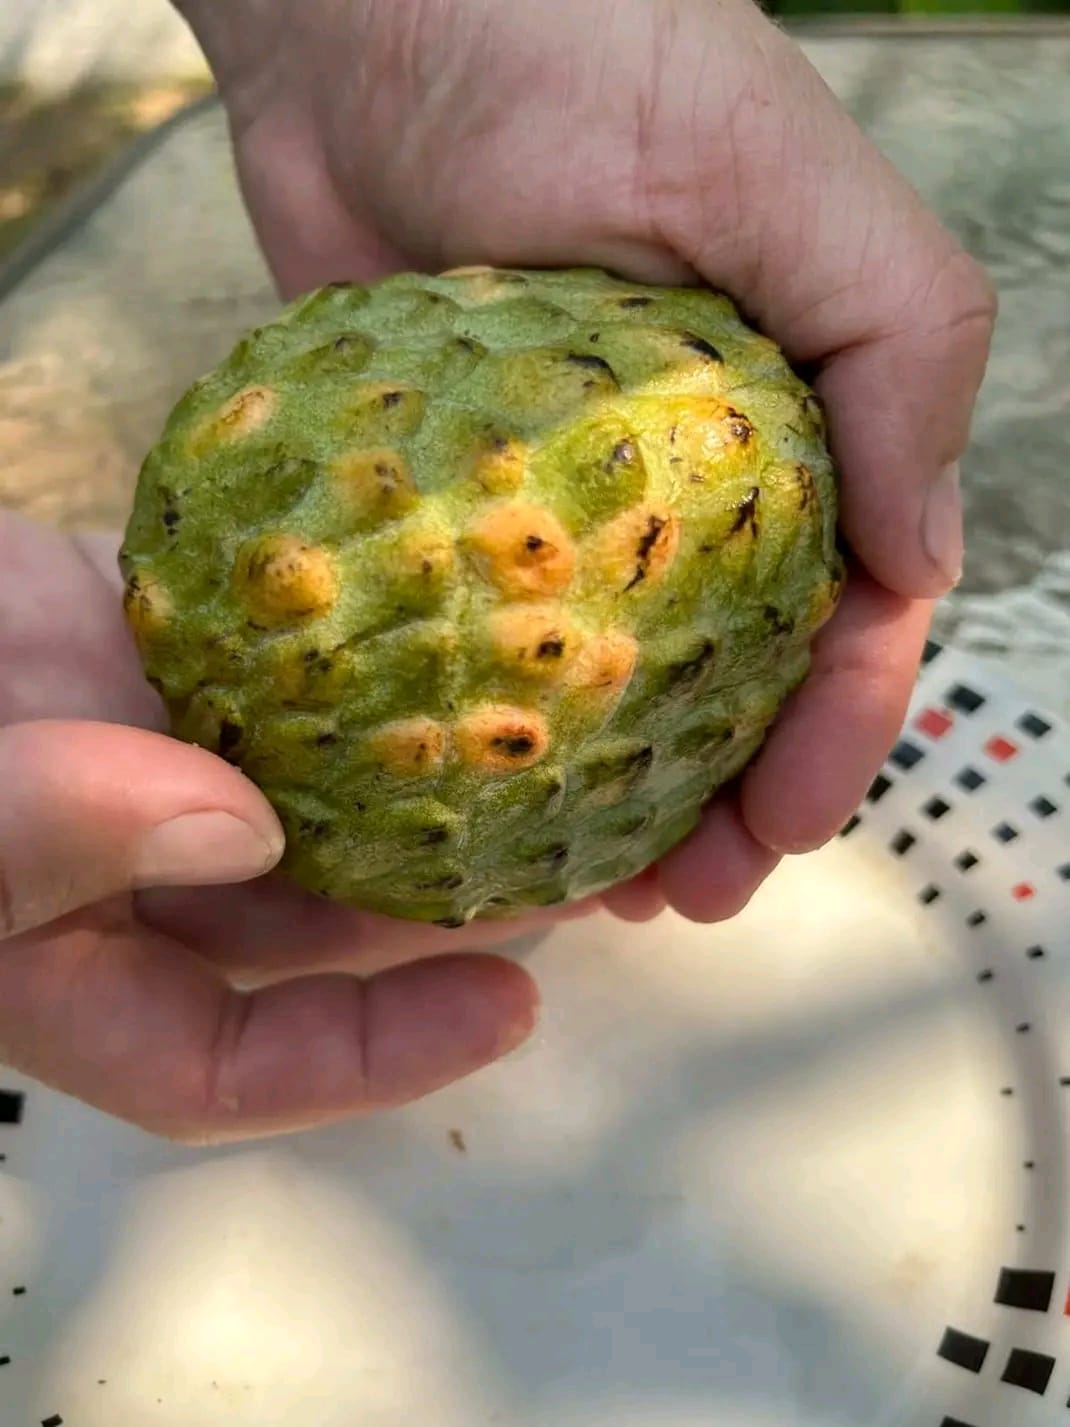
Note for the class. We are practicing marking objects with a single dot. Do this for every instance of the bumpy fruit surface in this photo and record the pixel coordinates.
(488, 580)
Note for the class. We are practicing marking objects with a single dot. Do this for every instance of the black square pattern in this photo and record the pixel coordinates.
(928, 895)
(965, 699)
(12, 1104)
(1034, 725)
(1025, 1289)
(1005, 832)
(977, 919)
(902, 842)
(1063, 872)
(963, 1350)
(1043, 807)
(936, 808)
(878, 788)
(1031, 1371)
(906, 755)
(965, 860)
(1035, 953)
(850, 825)
(970, 779)
(931, 650)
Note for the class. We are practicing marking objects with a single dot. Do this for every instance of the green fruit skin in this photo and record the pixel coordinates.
(332, 579)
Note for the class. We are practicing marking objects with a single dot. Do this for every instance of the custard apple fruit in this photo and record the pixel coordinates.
(488, 580)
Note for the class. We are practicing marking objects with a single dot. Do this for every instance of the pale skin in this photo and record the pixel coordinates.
(670, 140)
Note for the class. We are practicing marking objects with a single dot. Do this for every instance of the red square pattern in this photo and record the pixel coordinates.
(934, 722)
(1023, 891)
(1001, 749)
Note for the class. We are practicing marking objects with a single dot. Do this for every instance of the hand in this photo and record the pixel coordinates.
(116, 979)
(669, 140)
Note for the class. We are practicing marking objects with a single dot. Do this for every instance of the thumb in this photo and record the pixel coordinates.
(839, 259)
(92, 810)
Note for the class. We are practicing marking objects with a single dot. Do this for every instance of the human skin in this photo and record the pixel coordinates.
(669, 140)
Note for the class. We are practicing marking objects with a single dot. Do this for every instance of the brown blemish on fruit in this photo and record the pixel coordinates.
(686, 672)
(605, 663)
(780, 623)
(281, 578)
(375, 484)
(247, 412)
(497, 738)
(601, 376)
(148, 608)
(826, 598)
(805, 481)
(747, 516)
(425, 554)
(637, 547)
(410, 748)
(230, 735)
(590, 363)
(523, 550)
(535, 640)
(499, 466)
(739, 428)
(384, 410)
(698, 344)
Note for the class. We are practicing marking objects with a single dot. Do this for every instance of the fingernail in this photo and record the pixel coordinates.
(197, 849)
(941, 525)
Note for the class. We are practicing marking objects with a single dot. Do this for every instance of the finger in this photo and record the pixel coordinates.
(271, 930)
(91, 810)
(638, 900)
(67, 649)
(821, 755)
(100, 549)
(713, 874)
(133, 1024)
(834, 254)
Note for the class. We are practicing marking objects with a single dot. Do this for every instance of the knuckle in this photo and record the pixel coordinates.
(960, 301)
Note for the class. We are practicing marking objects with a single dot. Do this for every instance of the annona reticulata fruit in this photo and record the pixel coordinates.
(488, 580)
